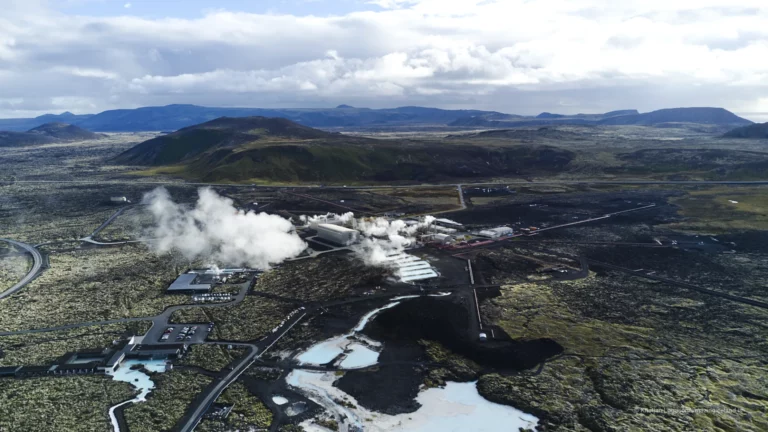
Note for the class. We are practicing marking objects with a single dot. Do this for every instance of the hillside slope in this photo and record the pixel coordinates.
(258, 148)
(753, 131)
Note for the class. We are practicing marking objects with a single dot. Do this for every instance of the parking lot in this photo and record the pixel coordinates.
(178, 335)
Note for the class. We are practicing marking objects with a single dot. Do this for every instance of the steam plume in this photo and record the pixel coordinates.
(215, 230)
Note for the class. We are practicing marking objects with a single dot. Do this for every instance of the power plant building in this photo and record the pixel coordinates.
(325, 220)
(336, 234)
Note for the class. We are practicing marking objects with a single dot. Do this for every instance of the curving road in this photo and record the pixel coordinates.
(37, 267)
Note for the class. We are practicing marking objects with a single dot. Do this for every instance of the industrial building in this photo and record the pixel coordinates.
(497, 232)
(325, 220)
(410, 268)
(447, 223)
(336, 234)
(188, 283)
(438, 238)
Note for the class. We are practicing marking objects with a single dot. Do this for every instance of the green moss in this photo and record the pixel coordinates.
(167, 404)
(53, 404)
(248, 412)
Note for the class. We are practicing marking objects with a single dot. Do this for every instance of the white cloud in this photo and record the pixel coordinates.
(508, 55)
(127, 5)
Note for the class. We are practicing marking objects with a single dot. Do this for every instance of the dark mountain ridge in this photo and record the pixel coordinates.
(753, 131)
(709, 116)
(275, 149)
(45, 134)
(175, 117)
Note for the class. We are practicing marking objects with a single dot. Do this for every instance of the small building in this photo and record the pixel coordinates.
(439, 238)
(77, 368)
(187, 283)
(337, 234)
(497, 232)
(158, 352)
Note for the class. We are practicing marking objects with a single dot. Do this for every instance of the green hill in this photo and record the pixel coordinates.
(259, 148)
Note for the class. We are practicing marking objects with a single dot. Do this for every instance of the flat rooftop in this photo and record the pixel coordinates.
(337, 228)
(186, 282)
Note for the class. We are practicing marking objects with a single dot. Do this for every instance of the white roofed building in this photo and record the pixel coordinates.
(410, 268)
(337, 234)
(497, 232)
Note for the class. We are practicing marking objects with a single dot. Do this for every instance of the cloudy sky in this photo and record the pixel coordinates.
(515, 56)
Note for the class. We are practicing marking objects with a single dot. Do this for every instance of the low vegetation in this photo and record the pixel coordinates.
(210, 357)
(632, 347)
(251, 319)
(324, 278)
(54, 404)
(13, 268)
(248, 412)
(40, 349)
(722, 209)
(84, 285)
(166, 405)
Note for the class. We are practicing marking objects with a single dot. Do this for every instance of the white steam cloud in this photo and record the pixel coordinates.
(382, 237)
(215, 230)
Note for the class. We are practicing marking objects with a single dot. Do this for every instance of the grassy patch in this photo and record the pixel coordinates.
(723, 209)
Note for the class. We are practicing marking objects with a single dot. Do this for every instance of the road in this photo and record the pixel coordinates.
(460, 188)
(686, 285)
(37, 266)
(214, 390)
(423, 185)
(109, 221)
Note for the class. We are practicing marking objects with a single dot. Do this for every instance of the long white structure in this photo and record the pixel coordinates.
(410, 268)
(497, 232)
(337, 234)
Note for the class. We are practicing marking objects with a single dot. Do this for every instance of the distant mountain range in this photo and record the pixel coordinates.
(277, 149)
(175, 117)
(45, 134)
(755, 131)
(709, 116)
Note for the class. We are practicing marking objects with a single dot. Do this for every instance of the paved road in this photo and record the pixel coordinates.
(430, 185)
(641, 274)
(214, 390)
(109, 221)
(37, 266)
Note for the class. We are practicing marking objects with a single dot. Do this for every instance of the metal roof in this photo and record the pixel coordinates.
(338, 229)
